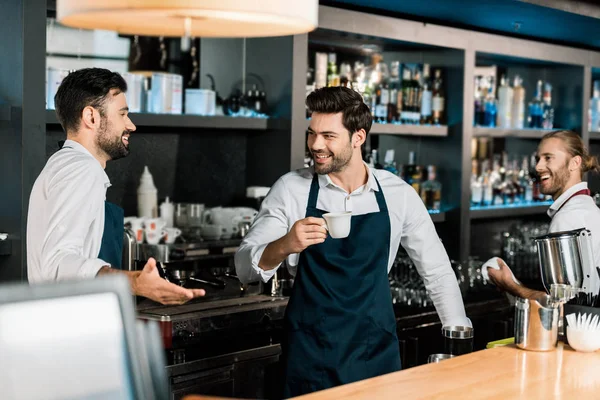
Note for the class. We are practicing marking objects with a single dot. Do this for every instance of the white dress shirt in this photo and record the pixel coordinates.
(579, 212)
(410, 223)
(65, 221)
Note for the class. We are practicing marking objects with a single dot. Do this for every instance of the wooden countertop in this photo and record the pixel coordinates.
(501, 373)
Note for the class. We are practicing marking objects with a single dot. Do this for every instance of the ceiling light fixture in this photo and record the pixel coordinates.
(198, 18)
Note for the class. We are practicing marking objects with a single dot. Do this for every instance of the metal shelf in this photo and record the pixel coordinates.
(190, 121)
(438, 217)
(479, 131)
(516, 210)
(409, 130)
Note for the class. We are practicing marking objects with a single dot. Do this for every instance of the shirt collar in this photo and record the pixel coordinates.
(562, 199)
(81, 149)
(325, 180)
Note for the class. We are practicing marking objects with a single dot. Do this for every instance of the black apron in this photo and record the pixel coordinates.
(340, 320)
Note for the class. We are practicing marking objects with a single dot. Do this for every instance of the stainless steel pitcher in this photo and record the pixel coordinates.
(536, 324)
(565, 257)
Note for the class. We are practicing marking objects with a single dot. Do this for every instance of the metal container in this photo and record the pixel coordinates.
(135, 92)
(536, 324)
(564, 256)
(436, 358)
(458, 340)
(167, 93)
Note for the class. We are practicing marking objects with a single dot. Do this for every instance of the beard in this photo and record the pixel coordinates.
(110, 144)
(559, 180)
(337, 162)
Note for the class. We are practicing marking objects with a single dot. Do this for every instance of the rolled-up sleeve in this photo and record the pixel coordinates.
(270, 224)
(424, 247)
(74, 199)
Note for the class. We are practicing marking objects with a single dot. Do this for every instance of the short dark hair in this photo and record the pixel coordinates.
(332, 100)
(82, 88)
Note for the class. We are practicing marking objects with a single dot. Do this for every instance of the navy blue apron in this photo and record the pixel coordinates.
(340, 324)
(111, 249)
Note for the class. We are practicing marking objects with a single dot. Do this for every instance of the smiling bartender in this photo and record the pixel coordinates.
(72, 233)
(340, 321)
(562, 161)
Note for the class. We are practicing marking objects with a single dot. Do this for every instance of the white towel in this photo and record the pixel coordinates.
(493, 263)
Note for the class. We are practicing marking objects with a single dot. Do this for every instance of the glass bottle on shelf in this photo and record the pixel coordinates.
(437, 102)
(395, 92)
(526, 181)
(333, 78)
(479, 102)
(486, 182)
(415, 115)
(476, 185)
(431, 190)
(518, 104)
(412, 172)
(594, 117)
(505, 100)
(407, 90)
(536, 109)
(490, 109)
(426, 97)
(548, 110)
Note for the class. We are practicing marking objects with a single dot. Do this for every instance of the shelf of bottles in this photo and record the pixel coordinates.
(502, 111)
(506, 188)
(405, 97)
(422, 178)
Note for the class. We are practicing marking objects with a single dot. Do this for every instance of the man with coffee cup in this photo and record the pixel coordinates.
(340, 321)
(72, 233)
(562, 161)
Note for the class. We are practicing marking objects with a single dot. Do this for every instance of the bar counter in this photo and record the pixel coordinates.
(501, 373)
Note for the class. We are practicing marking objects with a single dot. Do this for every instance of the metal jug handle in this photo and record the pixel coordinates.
(585, 244)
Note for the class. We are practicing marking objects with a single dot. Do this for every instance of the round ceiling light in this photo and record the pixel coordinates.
(198, 18)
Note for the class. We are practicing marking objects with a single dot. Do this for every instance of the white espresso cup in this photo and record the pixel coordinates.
(170, 234)
(154, 229)
(338, 224)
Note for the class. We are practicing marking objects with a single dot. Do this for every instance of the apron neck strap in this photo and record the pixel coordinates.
(314, 194)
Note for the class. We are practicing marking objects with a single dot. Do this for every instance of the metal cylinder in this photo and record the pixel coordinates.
(561, 259)
(536, 324)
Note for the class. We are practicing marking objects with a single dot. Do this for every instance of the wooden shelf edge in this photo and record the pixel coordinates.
(479, 131)
(512, 211)
(409, 130)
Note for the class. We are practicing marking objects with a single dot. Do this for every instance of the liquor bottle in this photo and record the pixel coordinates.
(518, 105)
(412, 172)
(407, 91)
(395, 92)
(415, 115)
(535, 179)
(594, 117)
(536, 109)
(488, 192)
(437, 101)
(505, 100)
(490, 109)
(479, 103)
(526, 181)
(333, 78)
(548, 110)
(426, 97)
(476, 185)
(431, 190)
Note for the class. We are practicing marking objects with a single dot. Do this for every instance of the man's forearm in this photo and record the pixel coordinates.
(132, 275)
(273, 255)
(526, 293)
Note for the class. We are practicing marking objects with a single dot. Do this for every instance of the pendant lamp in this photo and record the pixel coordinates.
(197, 18)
